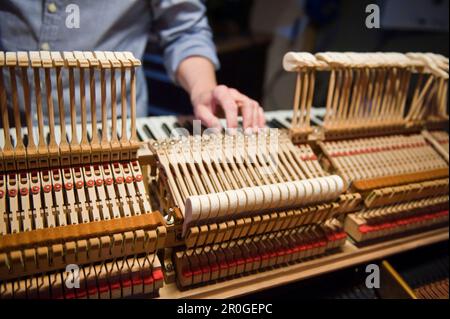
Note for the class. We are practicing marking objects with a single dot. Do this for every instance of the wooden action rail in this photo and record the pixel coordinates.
(369, 224)
(71, 196)
(371, 134)
(405, 193)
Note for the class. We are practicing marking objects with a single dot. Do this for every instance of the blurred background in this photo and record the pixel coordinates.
(253, 35)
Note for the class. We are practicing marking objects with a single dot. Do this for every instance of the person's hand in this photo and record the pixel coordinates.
(196, 75)
(208, 104)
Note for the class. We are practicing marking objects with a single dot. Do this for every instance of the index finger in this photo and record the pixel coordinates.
(224, 98)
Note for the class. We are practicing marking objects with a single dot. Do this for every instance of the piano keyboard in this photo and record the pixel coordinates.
(161, 127)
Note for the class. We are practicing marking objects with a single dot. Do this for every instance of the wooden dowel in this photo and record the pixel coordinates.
(84, 138)
(113, 106)
(297, 93)
(336, 96)
(103, 106)
(133, 137)
(16, 110)
(27, 101)
(42, 145)
(123, 92)
(62, 113)
(329, 105)
(51, 114)
(95, 139)
(304, 96)
(312, 82)
(73, 110)
(5, 116)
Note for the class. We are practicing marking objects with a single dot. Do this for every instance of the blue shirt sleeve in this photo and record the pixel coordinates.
(183, 31)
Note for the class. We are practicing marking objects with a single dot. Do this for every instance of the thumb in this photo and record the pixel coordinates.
(204, 114)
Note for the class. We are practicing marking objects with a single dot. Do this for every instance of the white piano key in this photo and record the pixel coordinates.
(316, 121)
(24, 133)
(79, 132)
(318, 111)
(281, 116)
(148, 130)
(89, 131)
(2, 138)
(57, 134)
(12, 134)
(155, 125)
(169, 123)
(68, 133)
(140, 129)
(46, 132)
(35, 135)
(164, 125)
(317, 115)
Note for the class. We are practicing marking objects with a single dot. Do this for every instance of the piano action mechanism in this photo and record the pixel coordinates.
(377, 166)
(231, 205)
(73, 196)
(386, 145)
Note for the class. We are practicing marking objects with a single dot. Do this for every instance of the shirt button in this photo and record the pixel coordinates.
(52, 8)
(45, 46)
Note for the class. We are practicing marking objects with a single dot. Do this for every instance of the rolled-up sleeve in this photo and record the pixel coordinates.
(183, 31)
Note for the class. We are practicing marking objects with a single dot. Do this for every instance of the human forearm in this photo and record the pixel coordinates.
(196, 75)
(190, 59)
